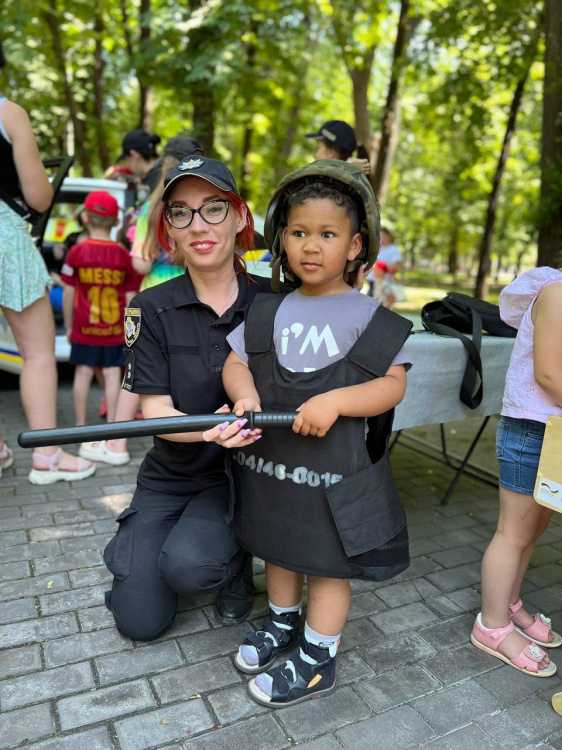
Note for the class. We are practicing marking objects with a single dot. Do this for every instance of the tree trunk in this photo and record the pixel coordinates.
(379, 176)
(360, 74)
(200, 92)
(126, 30)
(246, 168)
(484, 264)
(412, 255)
(251, 51)
(293, 126)
(290, 135)
(99, 114)
(146, 107)
(78, 126)
(360, 84)
(519, 261)
(550, 233)
(453, 259)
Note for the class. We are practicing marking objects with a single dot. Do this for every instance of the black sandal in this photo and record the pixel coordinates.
(267, 650)
(297, 680)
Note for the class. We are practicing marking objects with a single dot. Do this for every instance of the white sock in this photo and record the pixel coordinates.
(249, 654)
(284, 610)
(330, 642)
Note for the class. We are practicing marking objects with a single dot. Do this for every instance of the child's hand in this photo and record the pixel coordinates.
(360, 278)
(316, 415)
(246, 404)
(234, 435)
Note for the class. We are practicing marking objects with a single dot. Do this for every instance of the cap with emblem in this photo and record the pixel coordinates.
(215, 172)
(338, 133)
(101, 203)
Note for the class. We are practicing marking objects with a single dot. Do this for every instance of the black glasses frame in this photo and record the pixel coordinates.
(194, 211)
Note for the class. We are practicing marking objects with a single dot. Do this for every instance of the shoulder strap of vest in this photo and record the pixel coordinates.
(380, 342)
(260, 317)
(9, 201)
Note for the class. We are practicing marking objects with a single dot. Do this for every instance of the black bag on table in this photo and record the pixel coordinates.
(458, 314)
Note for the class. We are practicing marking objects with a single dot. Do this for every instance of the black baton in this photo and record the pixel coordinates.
(146, 427)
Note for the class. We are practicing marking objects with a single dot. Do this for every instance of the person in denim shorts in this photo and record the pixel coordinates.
(533, 392)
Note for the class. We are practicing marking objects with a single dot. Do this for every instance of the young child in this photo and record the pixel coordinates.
(379, 286)
(97, 272)
(327, 509)
(533, 392)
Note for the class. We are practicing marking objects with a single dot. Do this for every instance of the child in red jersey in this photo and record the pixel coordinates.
(97, 273)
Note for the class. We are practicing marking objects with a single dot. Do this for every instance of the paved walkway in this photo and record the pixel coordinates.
(407, 676)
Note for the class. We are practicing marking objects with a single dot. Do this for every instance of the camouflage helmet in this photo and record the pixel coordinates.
(340, 174)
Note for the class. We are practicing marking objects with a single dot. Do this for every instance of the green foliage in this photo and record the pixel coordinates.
(278, 69)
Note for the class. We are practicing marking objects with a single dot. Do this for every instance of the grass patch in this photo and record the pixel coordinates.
(428, 286)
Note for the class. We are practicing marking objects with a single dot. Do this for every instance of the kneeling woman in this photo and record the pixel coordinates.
(175, 537)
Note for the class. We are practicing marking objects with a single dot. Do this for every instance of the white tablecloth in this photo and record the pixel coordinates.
(434, 382)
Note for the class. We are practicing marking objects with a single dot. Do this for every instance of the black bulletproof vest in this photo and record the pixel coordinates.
(323, 506)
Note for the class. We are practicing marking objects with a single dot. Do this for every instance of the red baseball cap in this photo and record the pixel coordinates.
(381, 265)
(101, 203)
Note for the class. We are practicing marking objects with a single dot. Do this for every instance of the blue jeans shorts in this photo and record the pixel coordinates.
(518, 448)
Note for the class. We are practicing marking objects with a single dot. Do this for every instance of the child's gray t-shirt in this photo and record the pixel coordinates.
(313, 332)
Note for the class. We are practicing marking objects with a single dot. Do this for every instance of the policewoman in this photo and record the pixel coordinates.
(175, 537)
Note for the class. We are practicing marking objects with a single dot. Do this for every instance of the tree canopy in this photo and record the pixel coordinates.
(429, 85)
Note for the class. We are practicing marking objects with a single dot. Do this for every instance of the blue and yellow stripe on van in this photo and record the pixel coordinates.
(10, 360)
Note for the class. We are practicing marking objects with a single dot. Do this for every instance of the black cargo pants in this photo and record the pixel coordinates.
(168, 545)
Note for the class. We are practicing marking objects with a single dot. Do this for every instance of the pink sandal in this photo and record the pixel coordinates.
(6, 458)
(539, 630)
(51, 473)
(527, 661)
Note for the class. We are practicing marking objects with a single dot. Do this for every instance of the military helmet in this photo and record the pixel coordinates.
(342, 175)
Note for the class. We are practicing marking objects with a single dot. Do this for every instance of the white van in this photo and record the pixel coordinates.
(71, 196)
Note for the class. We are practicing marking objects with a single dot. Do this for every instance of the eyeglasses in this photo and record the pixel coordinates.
(212, 212)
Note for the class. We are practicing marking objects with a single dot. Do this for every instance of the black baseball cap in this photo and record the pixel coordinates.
(139, 140)
(338, 133)
(195, 165)
(182, 145)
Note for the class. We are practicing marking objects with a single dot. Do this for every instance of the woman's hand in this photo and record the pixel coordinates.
(233, 435)
(316, 415)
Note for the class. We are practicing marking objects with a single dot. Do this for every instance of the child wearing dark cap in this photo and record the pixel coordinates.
(96, 275)
(336, 140)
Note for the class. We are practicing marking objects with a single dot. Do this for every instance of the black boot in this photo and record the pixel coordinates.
(296, 680)
(236, 598)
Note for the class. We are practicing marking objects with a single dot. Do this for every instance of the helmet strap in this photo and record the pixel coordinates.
(275, 274)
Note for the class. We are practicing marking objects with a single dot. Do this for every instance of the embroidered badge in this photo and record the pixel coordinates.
(191, 164)
(132, 324)
(129, 376)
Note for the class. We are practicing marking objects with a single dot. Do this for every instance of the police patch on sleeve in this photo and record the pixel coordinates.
(129, 376)
(132, 324)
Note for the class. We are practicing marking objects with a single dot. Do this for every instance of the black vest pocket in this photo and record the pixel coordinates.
(366, 508)
(118, 553)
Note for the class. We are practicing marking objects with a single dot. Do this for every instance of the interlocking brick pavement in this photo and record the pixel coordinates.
(407, 676)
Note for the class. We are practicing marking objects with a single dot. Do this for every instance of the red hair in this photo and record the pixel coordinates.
(244, 238)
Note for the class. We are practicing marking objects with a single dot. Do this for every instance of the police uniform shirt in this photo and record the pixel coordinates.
(176, 346)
